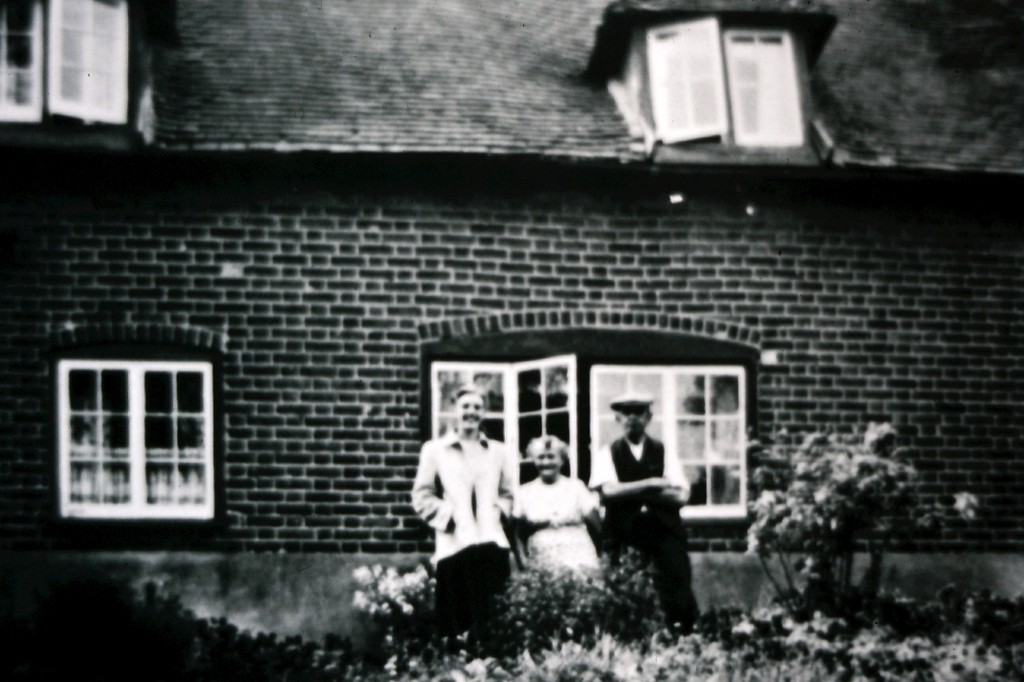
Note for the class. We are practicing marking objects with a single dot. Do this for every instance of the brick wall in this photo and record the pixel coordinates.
(321, 296)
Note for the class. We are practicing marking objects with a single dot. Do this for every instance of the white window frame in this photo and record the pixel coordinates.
(137, 507)
(509, 372)
(32, 112)
(666, 415)
(116, 55)
(666, 41)
(784, 88)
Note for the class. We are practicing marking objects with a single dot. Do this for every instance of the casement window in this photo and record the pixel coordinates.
(21, 60)
(84, 50)
(750, 97)
(763, 88)
(699, 413)
(135, 439)
(523, 400)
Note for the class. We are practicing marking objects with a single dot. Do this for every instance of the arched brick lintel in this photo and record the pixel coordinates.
(71, 335)
(587, 319)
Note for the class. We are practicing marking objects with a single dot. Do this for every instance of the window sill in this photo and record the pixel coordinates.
(122, 534)
(716, 154)
(50, 135)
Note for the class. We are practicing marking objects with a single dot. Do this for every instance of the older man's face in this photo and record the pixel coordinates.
(469, 410)
(633, 420)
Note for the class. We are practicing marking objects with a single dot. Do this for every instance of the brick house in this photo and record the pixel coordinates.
(249, 247)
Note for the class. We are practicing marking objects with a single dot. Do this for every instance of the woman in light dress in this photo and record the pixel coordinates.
(558, 515)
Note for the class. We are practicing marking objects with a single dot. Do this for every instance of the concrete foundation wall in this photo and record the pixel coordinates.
(311, 594)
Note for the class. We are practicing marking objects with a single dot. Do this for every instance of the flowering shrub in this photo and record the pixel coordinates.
(399, 608)
(823, 501)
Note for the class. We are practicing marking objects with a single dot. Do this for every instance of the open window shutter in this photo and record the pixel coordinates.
(88, 59)
(21, 60)
(763, 89)
(687, 80)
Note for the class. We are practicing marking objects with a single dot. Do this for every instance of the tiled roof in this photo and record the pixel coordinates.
(906, 83)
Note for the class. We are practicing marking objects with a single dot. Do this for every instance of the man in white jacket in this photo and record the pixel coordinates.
(463, 490)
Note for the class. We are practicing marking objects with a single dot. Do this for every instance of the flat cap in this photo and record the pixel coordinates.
(632, 400)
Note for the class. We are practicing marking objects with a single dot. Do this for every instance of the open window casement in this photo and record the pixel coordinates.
(763, 89)
(21, 61)
(687, 81)
(88, 59)
(522, 400)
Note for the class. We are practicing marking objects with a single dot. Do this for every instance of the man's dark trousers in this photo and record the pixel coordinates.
(658, 532)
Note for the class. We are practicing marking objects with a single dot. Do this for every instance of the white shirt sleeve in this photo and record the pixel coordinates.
(602, 470)
(674, 473)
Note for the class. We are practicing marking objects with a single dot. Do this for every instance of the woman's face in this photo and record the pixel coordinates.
(549, 465)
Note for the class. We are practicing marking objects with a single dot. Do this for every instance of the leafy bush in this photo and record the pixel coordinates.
(538, 606)
(99, 625)
(817, 504)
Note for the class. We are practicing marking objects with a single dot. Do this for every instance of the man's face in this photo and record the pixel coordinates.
(469, 410)
(633, 419)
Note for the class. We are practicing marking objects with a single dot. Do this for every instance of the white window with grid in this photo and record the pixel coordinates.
(522, 400)
(763, 88)
(21, 60)
(687, 80)
(699, 413)
(135, 439)
(88, 59)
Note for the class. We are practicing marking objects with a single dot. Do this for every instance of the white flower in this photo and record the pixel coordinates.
(965, 504)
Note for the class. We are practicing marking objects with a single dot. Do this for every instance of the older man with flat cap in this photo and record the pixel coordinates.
(643, 488)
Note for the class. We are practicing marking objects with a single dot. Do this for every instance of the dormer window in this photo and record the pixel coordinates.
(738, 85)
(84, 49)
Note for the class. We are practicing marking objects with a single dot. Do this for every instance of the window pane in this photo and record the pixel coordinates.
(19, 51)
(105, 14)
(71, 83)
(494, 428)
(725, 395)
(607, 431)
(82, 389)
(725, 439)
(84, 486)
(158, 393)
(159, 434)
(609, 386)
(529, 428)
(192, 487)
(529, 391)
(115, 434)
(557, 424)
(190, 433)
(690, 392)
(159, 483)
(649, 384)
(489, 383)
(556, 382)
(115, 390)
(691, 440)
(83, 436)
(190, 392)
(19, 15)
(18, 87)
(115, 483)
(73, 48)
(75, 13)
(102, 89)
(725, 485)
(697, 476)
(446, 425)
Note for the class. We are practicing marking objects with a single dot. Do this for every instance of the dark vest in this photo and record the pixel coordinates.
(620, 516)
